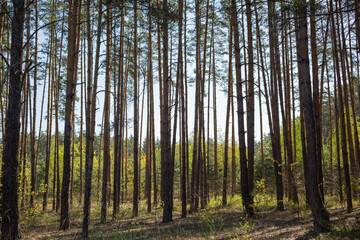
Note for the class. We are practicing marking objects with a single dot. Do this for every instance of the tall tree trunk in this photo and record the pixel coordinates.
(33, 130)
(166, 164)
(49, 119)
(341, 114)
(186, 110)
(321, 216)
(229, 95)
(100, 147)
(179, 80)
(9, 179)
(214, 114)
(141, 127)
(69, 111)
(274, 72)
(118, 101)
(152, 118)
(72, 159)
(122, 106)
(106, 159)
(354, 168)
(260, 64)
(250, 102)
(90, 114)
(38, 146)
(3, 10)
(136, 118)
(194, 201)
(83, 82)
(337, 140)
(233, 159)
(245, 188)
(25, 116)
(292, 191)
(316, 99)
(183, 116)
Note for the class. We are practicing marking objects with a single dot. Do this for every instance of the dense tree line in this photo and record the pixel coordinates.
(118, 101)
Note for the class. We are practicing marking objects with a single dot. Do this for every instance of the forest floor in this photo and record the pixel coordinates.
(213, 222)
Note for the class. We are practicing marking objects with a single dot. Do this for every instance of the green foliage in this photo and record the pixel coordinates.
(243, 228)
(211, 224)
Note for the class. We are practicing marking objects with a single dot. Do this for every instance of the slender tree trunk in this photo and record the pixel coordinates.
(226, 148)
(118, 101)
(90, 114)
(245, 188)
(136, 118)
(72, 159)
(344, 151)
(250, 110)
(141, 127)
(215, 115)
(122, 107)
(338, 141)
(354, 168)
(179, 80)
(186, 109)
(83, 82)
(25, 113)
(126, 154)
(33, 130)
(106, 159)
(194, 198)
(292, 190)
(69, 111)
(38, 145)
(100, 147)
(233, 159)
(261, 64)
(331, 130)
(183, 116)
(275, 108)
(260, 92)
(152, 117)
(49, 119)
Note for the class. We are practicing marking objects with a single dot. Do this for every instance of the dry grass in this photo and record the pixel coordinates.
(214, 222)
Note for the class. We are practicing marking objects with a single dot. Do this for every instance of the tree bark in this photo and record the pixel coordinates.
(90, 114)
(344, 150)
(106, 158)
(69, 111)
(166, 171)
(245, 188)
(274, 106)
(9, 180)
(321, 216)
(250, 110)
(226, 148)
(136, 123)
